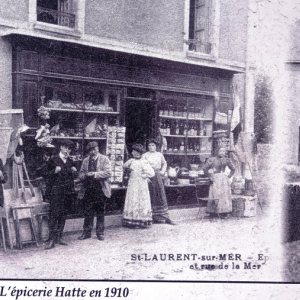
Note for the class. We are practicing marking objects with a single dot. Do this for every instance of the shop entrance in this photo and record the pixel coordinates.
(139, 121)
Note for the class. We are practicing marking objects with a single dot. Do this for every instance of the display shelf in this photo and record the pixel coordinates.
(188, 136)
(198, 136)
(67, 137)
(185, 118)
(83, 110)
(77, 138)
(174, 135)
(198, 153)
(172, 117)
(95, 138)
(191, 117)
(174, 153)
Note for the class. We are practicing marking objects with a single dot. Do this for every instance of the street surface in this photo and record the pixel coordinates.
(163, 252)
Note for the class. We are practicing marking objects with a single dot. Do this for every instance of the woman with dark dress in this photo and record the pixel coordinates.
(157, 191)
(220, 188)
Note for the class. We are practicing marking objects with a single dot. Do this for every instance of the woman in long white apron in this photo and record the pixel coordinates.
(220, 188)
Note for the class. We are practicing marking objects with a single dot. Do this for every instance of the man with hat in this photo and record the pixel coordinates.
(62, 173)
(95, 172)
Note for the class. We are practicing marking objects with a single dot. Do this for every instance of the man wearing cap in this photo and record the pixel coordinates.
(62, 173)
(95, 172)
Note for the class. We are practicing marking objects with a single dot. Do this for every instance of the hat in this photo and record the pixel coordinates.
(91, 145)
(138, 148)
(67, 143)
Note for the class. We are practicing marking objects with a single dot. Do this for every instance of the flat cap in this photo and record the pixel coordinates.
(91, 145)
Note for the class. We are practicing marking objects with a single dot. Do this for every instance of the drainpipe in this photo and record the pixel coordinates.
(249, 84)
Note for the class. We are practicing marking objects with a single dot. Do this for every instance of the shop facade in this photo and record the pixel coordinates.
(151, 98)
(120, 74)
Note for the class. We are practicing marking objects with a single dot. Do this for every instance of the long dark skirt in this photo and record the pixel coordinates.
(158, 199)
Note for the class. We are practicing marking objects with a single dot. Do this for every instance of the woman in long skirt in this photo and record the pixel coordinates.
(156, 186)
(220, 188)
(137, 211)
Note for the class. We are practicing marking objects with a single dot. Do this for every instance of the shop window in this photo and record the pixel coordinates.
(200, 26)
(58, 12)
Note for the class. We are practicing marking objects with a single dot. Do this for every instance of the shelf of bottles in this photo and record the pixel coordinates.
(187, 125)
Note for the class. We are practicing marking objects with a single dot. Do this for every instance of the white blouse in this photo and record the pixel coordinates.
(156, 160)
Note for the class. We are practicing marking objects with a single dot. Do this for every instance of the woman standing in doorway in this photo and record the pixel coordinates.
(157, 190)
(137, 208)
(220, 188)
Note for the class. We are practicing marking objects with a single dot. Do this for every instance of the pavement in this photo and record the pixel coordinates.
(233, 249)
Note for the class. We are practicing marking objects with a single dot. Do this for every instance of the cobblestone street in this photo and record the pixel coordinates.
(128, 254)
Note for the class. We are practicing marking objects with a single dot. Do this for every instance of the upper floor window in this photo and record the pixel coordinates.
(59, 12)
(200, 26)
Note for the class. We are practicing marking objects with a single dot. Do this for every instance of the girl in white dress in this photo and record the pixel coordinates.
(137, 211)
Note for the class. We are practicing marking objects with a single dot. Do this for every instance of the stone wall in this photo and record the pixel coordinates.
(262, 179)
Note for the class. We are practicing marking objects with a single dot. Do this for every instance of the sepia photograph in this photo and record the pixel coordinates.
(147, 143)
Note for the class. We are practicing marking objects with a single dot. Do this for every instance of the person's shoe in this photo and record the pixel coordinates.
(100, 237)
(169, 221)
(84, 237)
(62, 242)
(50, 245)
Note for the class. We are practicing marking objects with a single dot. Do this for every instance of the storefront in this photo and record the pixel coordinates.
(87, 91)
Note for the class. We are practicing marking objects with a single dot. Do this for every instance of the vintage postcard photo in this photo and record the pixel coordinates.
(148, 141)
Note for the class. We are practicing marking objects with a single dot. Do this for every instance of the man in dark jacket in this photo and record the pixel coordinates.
(3, 179)
(62, 173)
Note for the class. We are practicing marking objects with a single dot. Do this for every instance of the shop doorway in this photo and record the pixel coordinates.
(139, 121)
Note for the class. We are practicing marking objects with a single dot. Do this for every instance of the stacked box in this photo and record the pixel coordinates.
(115, 147)
(250, 207)
(238, 207)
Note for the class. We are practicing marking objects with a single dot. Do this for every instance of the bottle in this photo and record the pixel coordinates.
(170, 146)
(166, 109)
(189, 129)
(179, 110)
(161, 127)
(192, 112)
(175, 113)
(181, 128)
(196, 112)
(171, 110)
(161, 110)
(191, 147)
(192, 131)
(195, 147)
(197, 129)
(168, 129)
(201, 129)
(177, 128)
(184, 112)
(175, 147)
(182, 146)
(185, 130)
